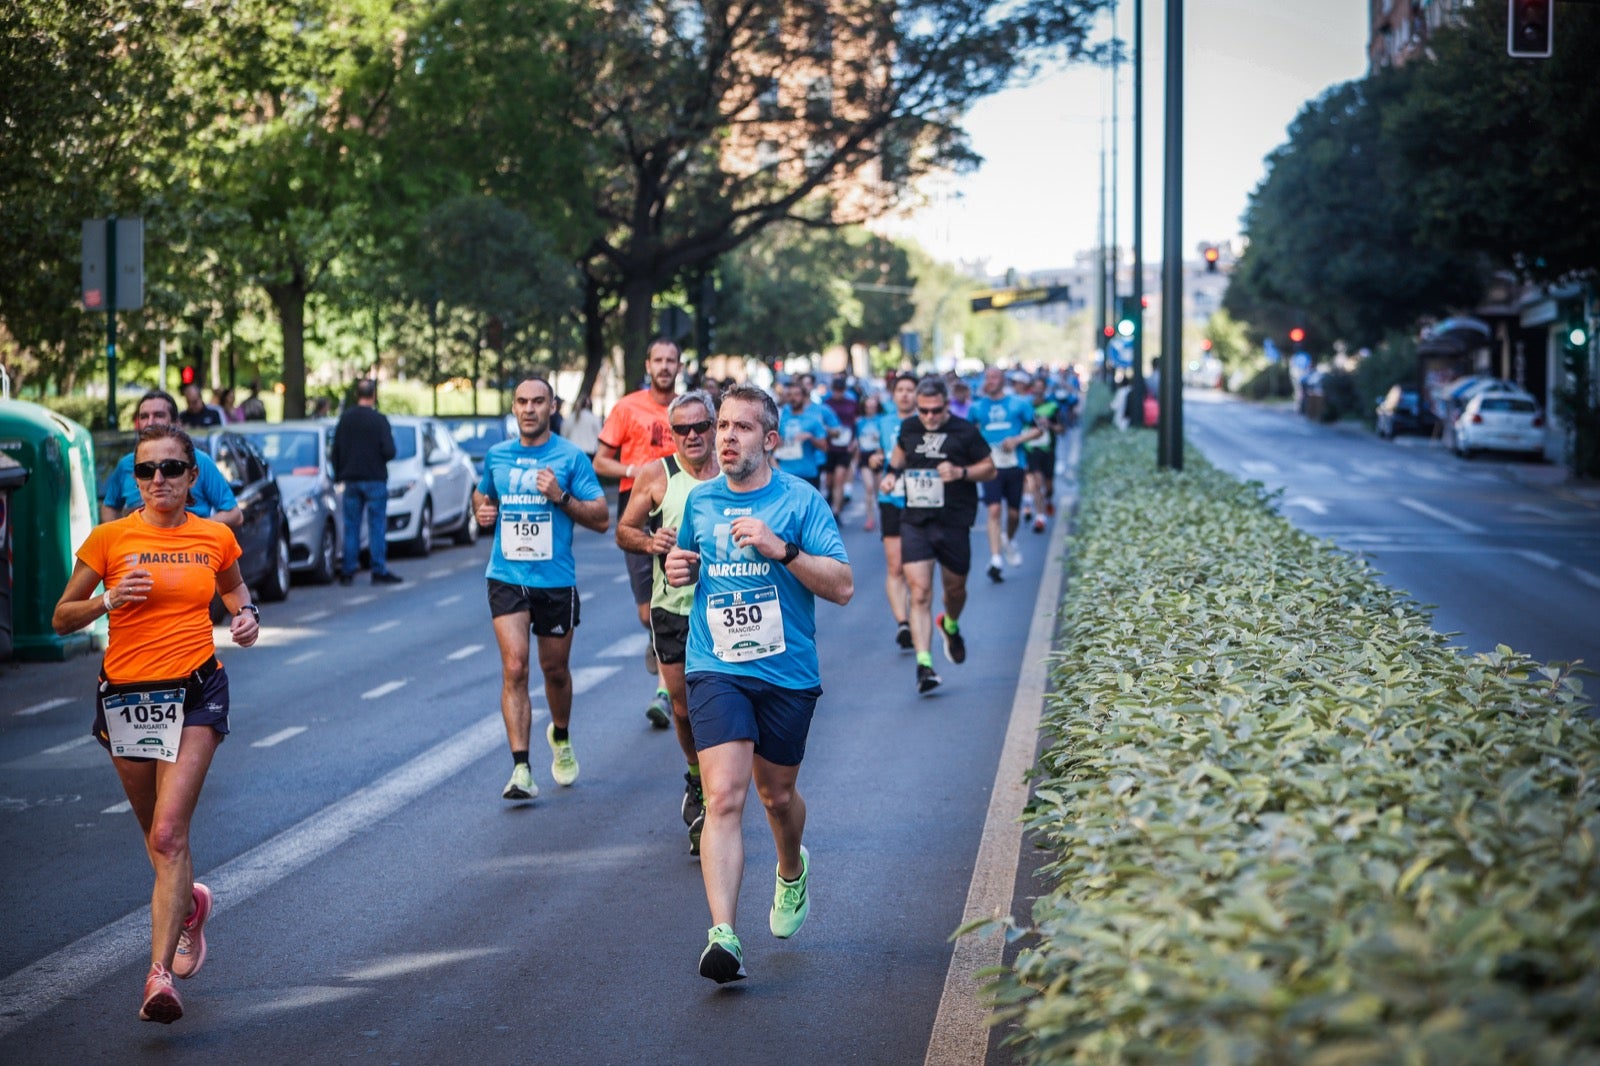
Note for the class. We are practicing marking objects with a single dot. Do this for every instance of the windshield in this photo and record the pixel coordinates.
(476, 436)
(405, 441)
(290, 451)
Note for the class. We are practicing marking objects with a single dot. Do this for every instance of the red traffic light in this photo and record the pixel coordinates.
(186, 375)
(1205, 344)
(1297, 334)
(1110, 331)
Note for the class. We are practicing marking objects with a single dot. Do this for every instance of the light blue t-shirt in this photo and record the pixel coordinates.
(802, 460)
(751, 616)
(998, 419)
(533, 537)
(888, 427)
(211, 491)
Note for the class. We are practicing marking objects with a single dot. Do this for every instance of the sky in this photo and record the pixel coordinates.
(1250, 65)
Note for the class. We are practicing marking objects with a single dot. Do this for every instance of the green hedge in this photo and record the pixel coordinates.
(1287, 823)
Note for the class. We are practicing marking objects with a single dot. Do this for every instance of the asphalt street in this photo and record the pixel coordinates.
(378, 900)
(1501, 549)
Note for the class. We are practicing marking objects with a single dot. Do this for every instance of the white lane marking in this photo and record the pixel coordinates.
(619, 579)
(95, 957)
(47, 705)
(303, 657)
(464, 653)
(448, 600)
(1542, 512)
(1592, 580)
(68, 746)
(381, 626)
(279, 737)
(357, 601)
(383, 690)
(1258, 467)
(314, 616)
(1540, 559)
(626, 648)
(1310, 503)
(118, 808)
(431, 574)
(961, 1026)
(1319, 469)
(585, 678)
(1439, 516)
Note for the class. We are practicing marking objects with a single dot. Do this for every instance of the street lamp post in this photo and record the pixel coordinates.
(1170, 434)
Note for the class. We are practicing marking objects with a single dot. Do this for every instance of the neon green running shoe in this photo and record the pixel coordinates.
(521, 786)
(791, 902)
(723, 958)
(564, 765)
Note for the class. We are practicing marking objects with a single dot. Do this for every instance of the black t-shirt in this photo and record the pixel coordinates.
(206, 416)
(957, 441)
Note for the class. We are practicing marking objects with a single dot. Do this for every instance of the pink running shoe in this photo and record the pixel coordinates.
(191, 953)
(161, 1002)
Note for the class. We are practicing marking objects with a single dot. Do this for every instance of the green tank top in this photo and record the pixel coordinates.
(670, 513)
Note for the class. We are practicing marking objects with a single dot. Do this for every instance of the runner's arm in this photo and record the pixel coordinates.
(245, 626)
(590, 514)
(606, 463)
(633, 528)
(79, 605)
(824, 576)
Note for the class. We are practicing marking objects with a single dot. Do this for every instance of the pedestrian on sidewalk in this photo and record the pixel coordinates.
(363, 444)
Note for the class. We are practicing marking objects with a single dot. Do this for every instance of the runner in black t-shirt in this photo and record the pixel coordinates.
(940, 458)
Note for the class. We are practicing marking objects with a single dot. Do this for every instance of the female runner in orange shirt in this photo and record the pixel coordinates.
(162, 705)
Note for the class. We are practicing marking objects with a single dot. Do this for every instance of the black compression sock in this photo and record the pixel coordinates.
(519, 758)
(557, 733)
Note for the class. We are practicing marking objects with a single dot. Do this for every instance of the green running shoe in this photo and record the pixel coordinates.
(723, 958)
(659, 710)
(564, 765)
(521, 786)
(791, 903)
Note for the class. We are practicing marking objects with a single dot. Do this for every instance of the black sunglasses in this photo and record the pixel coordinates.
(170, 468)
(701, 428)
(930, 410)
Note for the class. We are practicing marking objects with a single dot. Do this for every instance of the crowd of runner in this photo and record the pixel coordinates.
(728, 517)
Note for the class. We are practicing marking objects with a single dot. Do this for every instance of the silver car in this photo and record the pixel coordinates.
(297, 451)
(430, 485)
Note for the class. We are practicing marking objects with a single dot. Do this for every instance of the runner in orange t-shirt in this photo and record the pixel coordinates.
(162, 705)
(636, 434)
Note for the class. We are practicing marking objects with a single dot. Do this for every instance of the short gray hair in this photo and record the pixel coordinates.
(693, 396)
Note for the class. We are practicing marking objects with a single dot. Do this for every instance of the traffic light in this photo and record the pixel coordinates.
(1127, 319)
(1211, 258)
(1530, 28)
(1297, 334)
(1205, 344)
(1576, 335)
(1110, 331)
(188, 376)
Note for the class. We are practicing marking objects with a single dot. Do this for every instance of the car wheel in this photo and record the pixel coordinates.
(422, 543)
(327, 548)
(467, 535)
(275, 586)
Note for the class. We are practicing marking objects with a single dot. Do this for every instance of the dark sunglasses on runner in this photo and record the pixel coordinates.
(170, 468)
(930, 411)
(687, 428)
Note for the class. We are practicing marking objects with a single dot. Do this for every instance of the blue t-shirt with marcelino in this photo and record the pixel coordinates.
(533, 537)
(1000, 418)
(211, 491)
(751, 616)
(802, 460)
(887, 427)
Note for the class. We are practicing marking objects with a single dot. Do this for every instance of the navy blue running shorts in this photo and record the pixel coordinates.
(728, 707)
(889, 520)
(949, 546)
(1006, 484)
(205, 703)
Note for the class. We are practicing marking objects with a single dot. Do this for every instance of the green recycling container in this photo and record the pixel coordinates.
(50, 517)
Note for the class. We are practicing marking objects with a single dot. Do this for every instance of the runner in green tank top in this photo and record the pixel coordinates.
(649, 526)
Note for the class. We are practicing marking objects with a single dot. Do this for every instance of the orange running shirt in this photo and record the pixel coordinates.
(638, 429)
(169, 634)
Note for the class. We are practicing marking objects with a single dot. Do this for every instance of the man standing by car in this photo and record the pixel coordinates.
(212, 496)
(759, 549)
(533, 491)
(650, 527)
(636, 434)
(363, 444)
(938, 458)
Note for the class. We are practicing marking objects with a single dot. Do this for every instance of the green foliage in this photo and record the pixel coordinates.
(1286, 821)
(1341, 397)
(1230, 343)
(1272, 381)
(1394, 362)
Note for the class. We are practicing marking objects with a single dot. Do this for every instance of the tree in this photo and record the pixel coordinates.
(1335, 229)
(711, 121)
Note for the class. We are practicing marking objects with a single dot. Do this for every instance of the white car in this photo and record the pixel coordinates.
(297, 451)
(1500, 421)
(430, 485)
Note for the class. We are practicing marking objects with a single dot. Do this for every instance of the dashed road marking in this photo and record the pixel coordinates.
(1592, 580)
(1439, 516)
(464, 653)
(303, 657)
(118, 808)
(68, 746)
(47, 705)
(626, 648)
(279, 737)
(382, 626)
(1540, 559)
(383, 690)
(314, 616)
(448, 600)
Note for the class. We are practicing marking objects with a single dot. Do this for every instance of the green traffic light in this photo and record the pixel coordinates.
(1578, 337)
(1125, 327)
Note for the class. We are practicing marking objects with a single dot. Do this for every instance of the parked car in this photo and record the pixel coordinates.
(430, 485)
(1493, 420)
(478, 433)
(1402, 411)
(263, 533)
(298, 452)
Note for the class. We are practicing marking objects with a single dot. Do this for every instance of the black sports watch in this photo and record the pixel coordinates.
(253, 609)
(790, 551)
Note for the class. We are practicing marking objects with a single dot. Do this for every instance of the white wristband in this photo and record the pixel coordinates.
(106, 599)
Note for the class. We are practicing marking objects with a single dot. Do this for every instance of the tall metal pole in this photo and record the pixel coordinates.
(1170, 447)
(111, 322)
(1101, 318)
(1116, 86)
(1136, 290)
